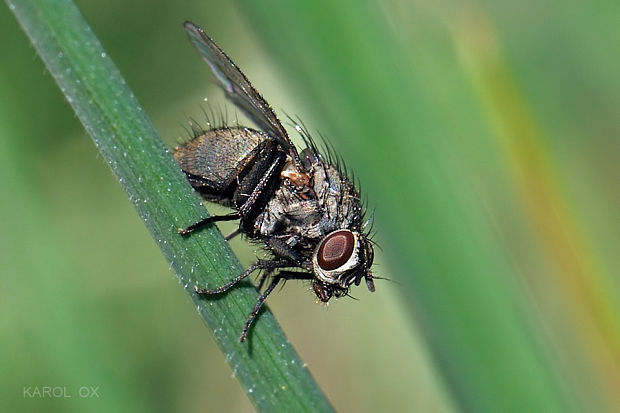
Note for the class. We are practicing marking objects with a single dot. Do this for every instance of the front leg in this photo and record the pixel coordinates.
(268, 265)
(283, 275)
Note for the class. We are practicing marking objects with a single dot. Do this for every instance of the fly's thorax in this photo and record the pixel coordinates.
(291, 174)
(289, 213)
(337, 198)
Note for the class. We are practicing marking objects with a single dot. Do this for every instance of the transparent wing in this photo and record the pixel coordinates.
(238, 88)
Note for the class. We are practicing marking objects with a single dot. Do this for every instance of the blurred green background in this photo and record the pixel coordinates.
(484, 135)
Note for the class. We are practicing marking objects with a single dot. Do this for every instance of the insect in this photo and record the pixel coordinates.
(300, 205)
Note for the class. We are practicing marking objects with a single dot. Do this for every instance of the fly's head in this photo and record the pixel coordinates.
(341, 259)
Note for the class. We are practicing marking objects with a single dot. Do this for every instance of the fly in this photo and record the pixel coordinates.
(300, 205)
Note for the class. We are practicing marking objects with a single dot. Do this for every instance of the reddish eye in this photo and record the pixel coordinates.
(336, 250)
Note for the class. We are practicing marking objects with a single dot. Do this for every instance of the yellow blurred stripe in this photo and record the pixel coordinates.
(592, 316)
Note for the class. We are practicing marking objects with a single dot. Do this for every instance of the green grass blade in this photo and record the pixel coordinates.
(267, 367)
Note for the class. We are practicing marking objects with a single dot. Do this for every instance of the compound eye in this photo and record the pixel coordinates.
(336, 250)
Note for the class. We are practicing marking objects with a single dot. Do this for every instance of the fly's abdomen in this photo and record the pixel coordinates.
(214, 160)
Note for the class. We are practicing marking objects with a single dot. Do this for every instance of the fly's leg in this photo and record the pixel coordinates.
(257, 306)
(262, 279)
(268, 265)
(207, 221)
(264, 181)
(283, 275)
(252, 190)
(233, 234)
